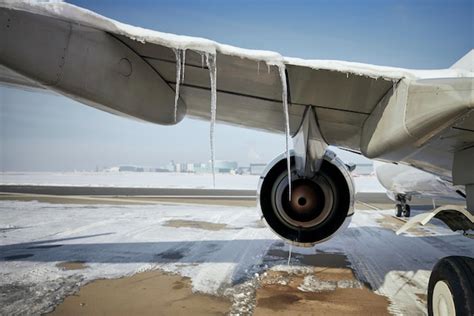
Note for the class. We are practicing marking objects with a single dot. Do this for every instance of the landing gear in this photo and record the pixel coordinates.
(451, 287)
(406, 213)
(398, 210)
(402, 208)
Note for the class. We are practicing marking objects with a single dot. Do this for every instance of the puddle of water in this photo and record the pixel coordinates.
(147, 293)
(331, 291)
(278, 302)
(18, 257)
(172, 254)
(320, 259)
(44, 247)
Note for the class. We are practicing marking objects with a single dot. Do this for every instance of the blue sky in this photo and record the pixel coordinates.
(42, 132)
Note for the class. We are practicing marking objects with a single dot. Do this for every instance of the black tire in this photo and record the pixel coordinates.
(407, 211)
(458, 274)
(398, 210)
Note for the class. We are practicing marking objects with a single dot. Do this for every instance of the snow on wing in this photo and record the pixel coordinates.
(247, 96)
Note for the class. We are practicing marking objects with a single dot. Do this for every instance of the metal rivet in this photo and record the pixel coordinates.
(125, 67)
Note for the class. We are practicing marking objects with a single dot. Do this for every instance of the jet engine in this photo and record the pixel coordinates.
(321, 204)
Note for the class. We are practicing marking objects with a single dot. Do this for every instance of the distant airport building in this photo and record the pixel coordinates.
(225, 166)
(112, 169)
(200, 168)
(171, 166)
(221, 166)
(179, 167)
(243, 170)
(161, 169)
(130, 169)
(257, 168)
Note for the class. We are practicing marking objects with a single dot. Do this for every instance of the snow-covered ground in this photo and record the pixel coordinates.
(115, 241)
(154, 180)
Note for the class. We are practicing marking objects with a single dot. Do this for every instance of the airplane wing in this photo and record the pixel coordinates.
(421, 117)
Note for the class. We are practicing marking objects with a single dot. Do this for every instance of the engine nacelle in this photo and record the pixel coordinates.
(319, 207)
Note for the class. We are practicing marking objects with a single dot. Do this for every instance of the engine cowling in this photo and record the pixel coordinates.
(320, 206)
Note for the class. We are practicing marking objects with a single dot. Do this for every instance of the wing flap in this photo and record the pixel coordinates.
(234, 74)
(335, 90)
(240, 110)
(249, 92)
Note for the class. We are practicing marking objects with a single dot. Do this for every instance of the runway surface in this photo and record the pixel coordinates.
(134, 195)
(205, 252)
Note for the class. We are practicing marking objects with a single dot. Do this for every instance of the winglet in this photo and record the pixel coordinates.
(466, 62)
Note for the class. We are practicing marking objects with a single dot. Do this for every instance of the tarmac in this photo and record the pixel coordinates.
(119, 251)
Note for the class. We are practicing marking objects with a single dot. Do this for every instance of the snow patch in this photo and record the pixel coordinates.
(349, 284)
(312, 284)
(116, 241)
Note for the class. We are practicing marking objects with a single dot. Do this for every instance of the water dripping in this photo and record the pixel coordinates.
(211, 64)
(284, 96)
(178, 81)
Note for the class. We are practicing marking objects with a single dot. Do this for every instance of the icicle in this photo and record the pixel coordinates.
(347, 75)
(211, 64)
(184, 63)
(284, 96)
(258, 67)
(202, 60)
(268, 68)
(289, 255)
(178, 81)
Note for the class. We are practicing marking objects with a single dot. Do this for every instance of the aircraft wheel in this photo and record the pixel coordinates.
(451, 287)
(398, 210)
(407, 210)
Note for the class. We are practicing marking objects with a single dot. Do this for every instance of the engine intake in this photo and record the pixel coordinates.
(319, 206)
